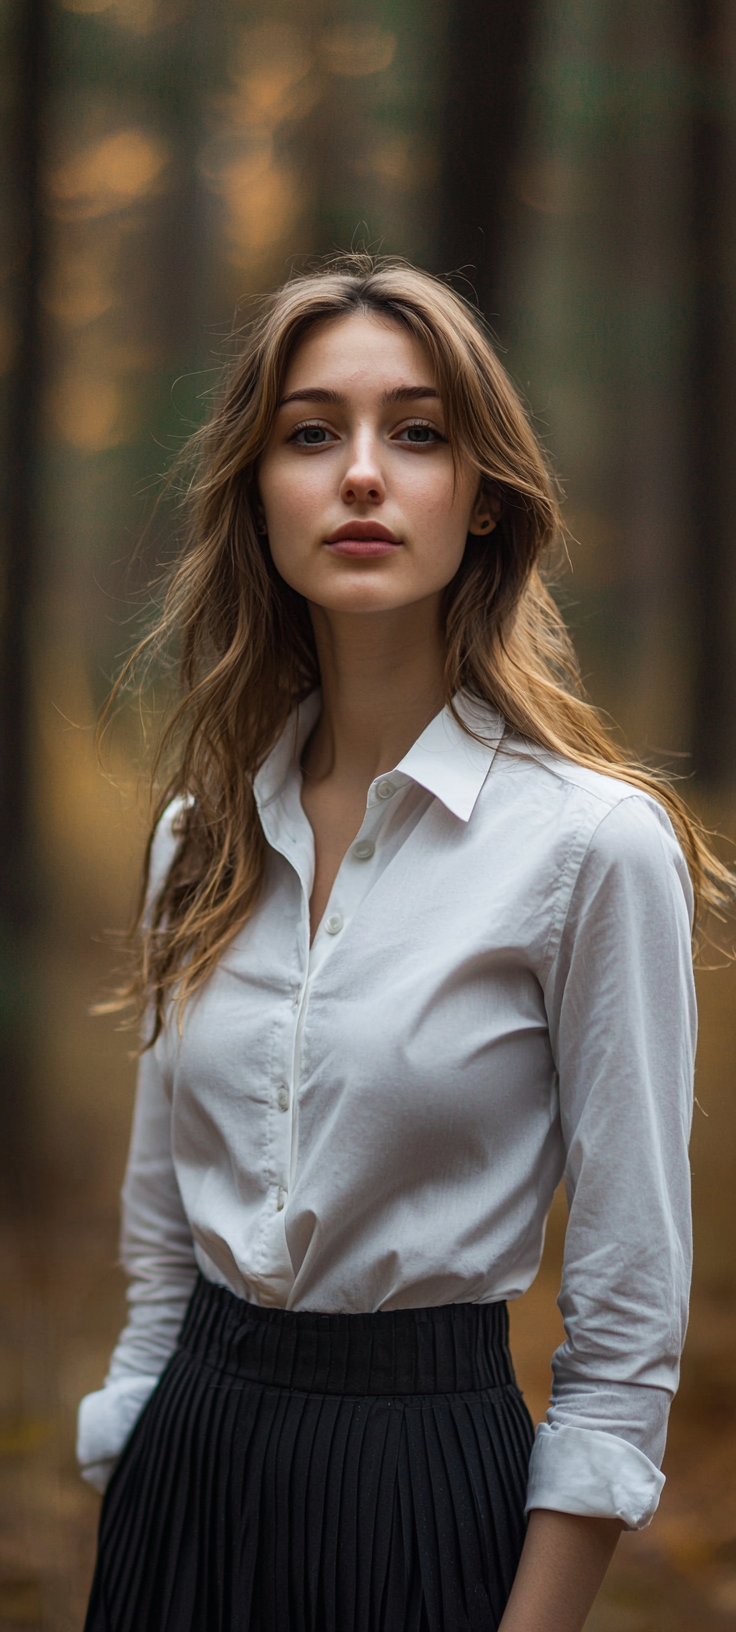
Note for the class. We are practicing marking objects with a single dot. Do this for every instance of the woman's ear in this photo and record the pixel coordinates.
(485, 512)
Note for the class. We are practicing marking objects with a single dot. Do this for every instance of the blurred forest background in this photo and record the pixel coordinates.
(575, 162)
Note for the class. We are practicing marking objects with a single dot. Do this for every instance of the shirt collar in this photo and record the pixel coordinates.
(449, 763)
(444, 759)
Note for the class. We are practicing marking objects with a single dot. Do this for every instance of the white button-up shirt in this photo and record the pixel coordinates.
(500, 993)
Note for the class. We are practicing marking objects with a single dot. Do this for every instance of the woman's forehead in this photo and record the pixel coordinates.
(359, 347)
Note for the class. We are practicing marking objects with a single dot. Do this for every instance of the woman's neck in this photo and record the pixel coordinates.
(382, 682)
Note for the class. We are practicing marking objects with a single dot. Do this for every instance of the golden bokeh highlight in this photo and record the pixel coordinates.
(273, 81)
(137, 16)
(108, 174)
(87, 410)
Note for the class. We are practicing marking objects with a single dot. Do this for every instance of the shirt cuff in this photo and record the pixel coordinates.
(104, 1423)
(99, 1474)
(583, 1470)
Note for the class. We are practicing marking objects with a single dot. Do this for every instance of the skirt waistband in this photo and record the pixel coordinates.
(458, 1348)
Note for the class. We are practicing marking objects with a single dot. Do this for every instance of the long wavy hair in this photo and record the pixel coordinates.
(247, 654)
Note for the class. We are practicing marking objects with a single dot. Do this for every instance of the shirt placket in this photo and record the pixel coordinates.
(357, 872)
(289, 834)
(356, 875)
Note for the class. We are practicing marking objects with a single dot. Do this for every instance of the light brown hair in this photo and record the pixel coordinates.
(247, 652)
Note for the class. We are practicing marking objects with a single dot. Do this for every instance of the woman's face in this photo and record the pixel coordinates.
(364, 508)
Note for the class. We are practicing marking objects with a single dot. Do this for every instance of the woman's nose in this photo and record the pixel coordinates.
(363, 481)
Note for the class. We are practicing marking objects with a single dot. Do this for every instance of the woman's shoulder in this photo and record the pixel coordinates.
(582, 787)
(605, 818)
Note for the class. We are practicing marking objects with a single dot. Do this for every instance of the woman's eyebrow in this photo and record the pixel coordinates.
(318, 393)
(313, 393)
(409, 393)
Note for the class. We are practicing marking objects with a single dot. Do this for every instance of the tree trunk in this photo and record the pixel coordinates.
(17, 906)
(713, 400)
(487, 73)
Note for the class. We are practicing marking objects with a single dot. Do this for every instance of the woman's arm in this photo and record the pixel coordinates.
(620, 1003)
(156, 1249)
(158, 1253)
(563, 1563)
(621, 1010)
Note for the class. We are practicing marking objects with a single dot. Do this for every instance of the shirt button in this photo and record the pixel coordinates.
(334, 923)
(282, 1099)
(281, 1199)
(385, 789)
(363, 850)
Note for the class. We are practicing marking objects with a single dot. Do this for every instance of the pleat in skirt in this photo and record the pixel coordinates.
(299, 1472)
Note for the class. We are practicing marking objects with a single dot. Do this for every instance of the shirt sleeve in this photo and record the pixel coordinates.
(157, 1251)
(621, 1007)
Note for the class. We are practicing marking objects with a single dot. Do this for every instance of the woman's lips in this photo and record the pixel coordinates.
(362, 538)
(362, 546)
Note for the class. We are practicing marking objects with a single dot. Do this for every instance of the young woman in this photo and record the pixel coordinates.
(415, 943)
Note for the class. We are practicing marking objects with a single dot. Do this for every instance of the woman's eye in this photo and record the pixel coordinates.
(419, 434)
(310, 436)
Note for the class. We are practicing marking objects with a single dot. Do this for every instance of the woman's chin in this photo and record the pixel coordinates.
(366, 600)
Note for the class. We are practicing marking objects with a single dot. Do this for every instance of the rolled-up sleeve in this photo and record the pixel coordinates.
(156, 1250)
(621, 1009)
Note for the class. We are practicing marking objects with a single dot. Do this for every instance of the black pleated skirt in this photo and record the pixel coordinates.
(298, 1472)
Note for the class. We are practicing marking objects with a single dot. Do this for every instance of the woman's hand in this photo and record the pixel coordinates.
(563, 1563)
